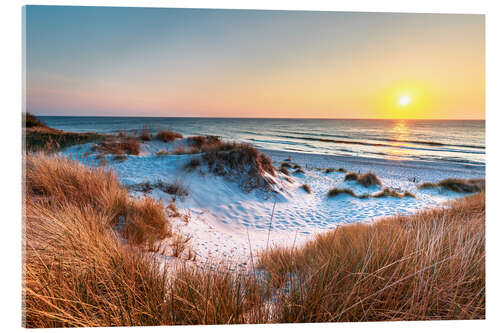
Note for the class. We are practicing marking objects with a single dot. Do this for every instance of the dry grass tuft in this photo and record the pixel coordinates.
(168, 136)
(146, 134)
(391, 193)
(369, 179)
(458, 185)
(298, 171)
(351, 176)
(337, 191)
(306, 188)
(329, 170)
(176, 188)
(284, 171)
(58, 181)
(430, 266)
(118, 146)
(200, 140)
(366, 179)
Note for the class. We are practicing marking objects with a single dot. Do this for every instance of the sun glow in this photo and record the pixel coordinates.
(404, 100)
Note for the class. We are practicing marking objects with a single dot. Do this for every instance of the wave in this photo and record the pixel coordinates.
(401, 145)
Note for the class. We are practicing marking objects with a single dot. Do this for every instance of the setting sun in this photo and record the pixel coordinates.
(404, 100)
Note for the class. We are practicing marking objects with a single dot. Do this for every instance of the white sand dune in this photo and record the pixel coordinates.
(231, 224)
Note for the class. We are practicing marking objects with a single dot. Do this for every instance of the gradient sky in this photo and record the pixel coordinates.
(246, 63)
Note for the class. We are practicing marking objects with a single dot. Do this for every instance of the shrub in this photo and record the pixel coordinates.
(167, 136)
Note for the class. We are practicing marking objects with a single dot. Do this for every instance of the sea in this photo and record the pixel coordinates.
(457, 141)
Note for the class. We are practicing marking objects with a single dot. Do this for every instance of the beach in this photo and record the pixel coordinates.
(227, 223)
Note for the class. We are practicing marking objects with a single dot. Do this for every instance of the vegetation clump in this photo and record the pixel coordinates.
(40, 137)
(299, 171)
(241, 161)
(168, 136)
(146, 134)
(284, 171)
(365, 180)
(351, 176)
(369, 179)
(458, 185)
(337, 191)
(176, 188)
(306, 188)
(329, 170)
(118, 146)
(200, 140)
(391, 193)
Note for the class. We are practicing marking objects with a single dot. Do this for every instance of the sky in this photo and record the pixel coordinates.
(112, 61)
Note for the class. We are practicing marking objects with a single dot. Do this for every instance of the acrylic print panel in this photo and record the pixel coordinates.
(198, 166)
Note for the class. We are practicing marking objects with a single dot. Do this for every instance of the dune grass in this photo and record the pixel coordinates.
(458, 185)
(168, 136)
(338, 191)
(384, 193)
(146, 134)
(118, 146)
(284, 171)
(306, 188)
(429, 266)
(79, 272)
(40, 137)
(366, 179)
(330, 170)
(176, 188)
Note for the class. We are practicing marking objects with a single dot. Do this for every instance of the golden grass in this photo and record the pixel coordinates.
(78, 271)
(429, 266)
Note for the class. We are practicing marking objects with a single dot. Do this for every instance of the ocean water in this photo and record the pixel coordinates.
(458, 141)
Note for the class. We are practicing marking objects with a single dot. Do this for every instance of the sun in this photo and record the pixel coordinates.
(404, 100)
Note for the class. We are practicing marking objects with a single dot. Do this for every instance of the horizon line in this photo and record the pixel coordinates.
(273, 118)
